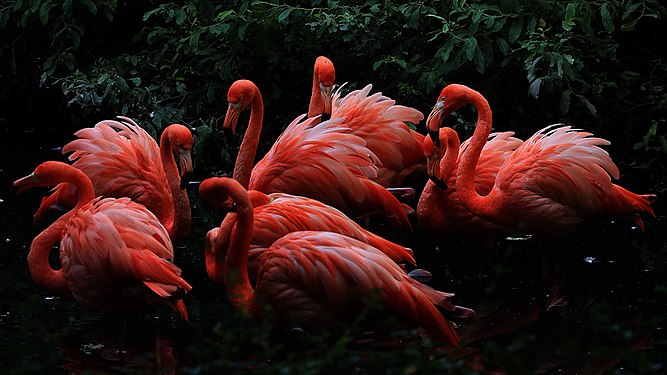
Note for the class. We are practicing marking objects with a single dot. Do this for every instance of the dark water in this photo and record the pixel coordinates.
(604, 312)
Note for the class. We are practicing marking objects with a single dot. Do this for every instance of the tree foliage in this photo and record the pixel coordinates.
(537, 61)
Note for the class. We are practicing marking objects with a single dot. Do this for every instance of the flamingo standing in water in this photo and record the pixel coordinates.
(123, 160)
(552, 183)
(376, 119)
(115, 254)
(326, 162)
(318, 279)
(439, 210)
(276, 215)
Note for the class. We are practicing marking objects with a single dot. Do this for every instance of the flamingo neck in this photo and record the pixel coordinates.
(465, 176)
(38, 258)
(248, 149)
(316, 106)
(449, 140)
(174, 217)
(240, 291)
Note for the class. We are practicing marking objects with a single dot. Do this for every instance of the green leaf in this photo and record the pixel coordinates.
(92, 8)
(515, 30)
(534, 89)
(194, 40)
(565, 102)
(282, 18)
(570, 12)
(663, 142)
(179, 16)
(241, 30)
(470, 47)
(589, 105)
(503, 46)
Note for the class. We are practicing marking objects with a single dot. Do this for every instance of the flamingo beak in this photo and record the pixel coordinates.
(434, 121)
(25, 183)
(327, 97)
(185, 161)
(232, 116)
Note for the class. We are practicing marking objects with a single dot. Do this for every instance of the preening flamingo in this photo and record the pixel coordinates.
(115, 254)
(376, 119)
(276, 215)
(324, 162)
(123, 160)
(556, 180)
(318, 279)
(440, 211)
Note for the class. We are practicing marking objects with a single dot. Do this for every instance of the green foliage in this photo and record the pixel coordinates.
(173, 61)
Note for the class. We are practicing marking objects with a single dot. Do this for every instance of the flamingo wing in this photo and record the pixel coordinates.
(122, 160)
(316, 277)
(563, 174)
(378, 120)
(328, 163)
(115, 244)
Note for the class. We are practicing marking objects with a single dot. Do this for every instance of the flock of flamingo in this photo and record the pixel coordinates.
(291, 239)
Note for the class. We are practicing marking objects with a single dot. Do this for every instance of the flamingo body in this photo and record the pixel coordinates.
(440, 210)
(123, 160)
(318, 278)
(115, 254)
(324, 162)
(278, 214)
(551, 184)
(376, 119)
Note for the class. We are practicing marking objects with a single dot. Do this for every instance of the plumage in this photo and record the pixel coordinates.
(123, 160)
(324, 162)
(115, 254)
(555, 181)
(318, 279)
(439, 210)
(276, 215)
(375, 118)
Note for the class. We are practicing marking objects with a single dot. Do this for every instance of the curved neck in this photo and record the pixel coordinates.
(38, 258)
(316, 106)
(176, 219)
(465, 176)
(450, 143)
(248, 149)
(240, 291)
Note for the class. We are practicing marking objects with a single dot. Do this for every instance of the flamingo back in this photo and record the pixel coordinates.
(318, 278)
(114, 246)
(378, 120)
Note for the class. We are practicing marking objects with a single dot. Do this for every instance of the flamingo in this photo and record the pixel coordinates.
(276, 215)
(555, 181)
(318, 279)
(123, 160)
(376, 119)
(115, 253)
(439, 210)
(326, 162)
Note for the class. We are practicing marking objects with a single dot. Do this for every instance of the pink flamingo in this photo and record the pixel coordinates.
(318, 278)
(376, 119)
(324, 162)
(276, 215)
(439, 210)
(551, 184)
(123, 160)
(115, 254)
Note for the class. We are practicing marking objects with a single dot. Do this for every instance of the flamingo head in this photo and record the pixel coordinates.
(239, 97)
(451, 98)
(212, 191)
(433, 156)
(181, 141)
(326, 76)
(46, 174)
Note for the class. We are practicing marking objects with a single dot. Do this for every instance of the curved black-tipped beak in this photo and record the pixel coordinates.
(435, 137)
(438, 182)
(186, 179)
